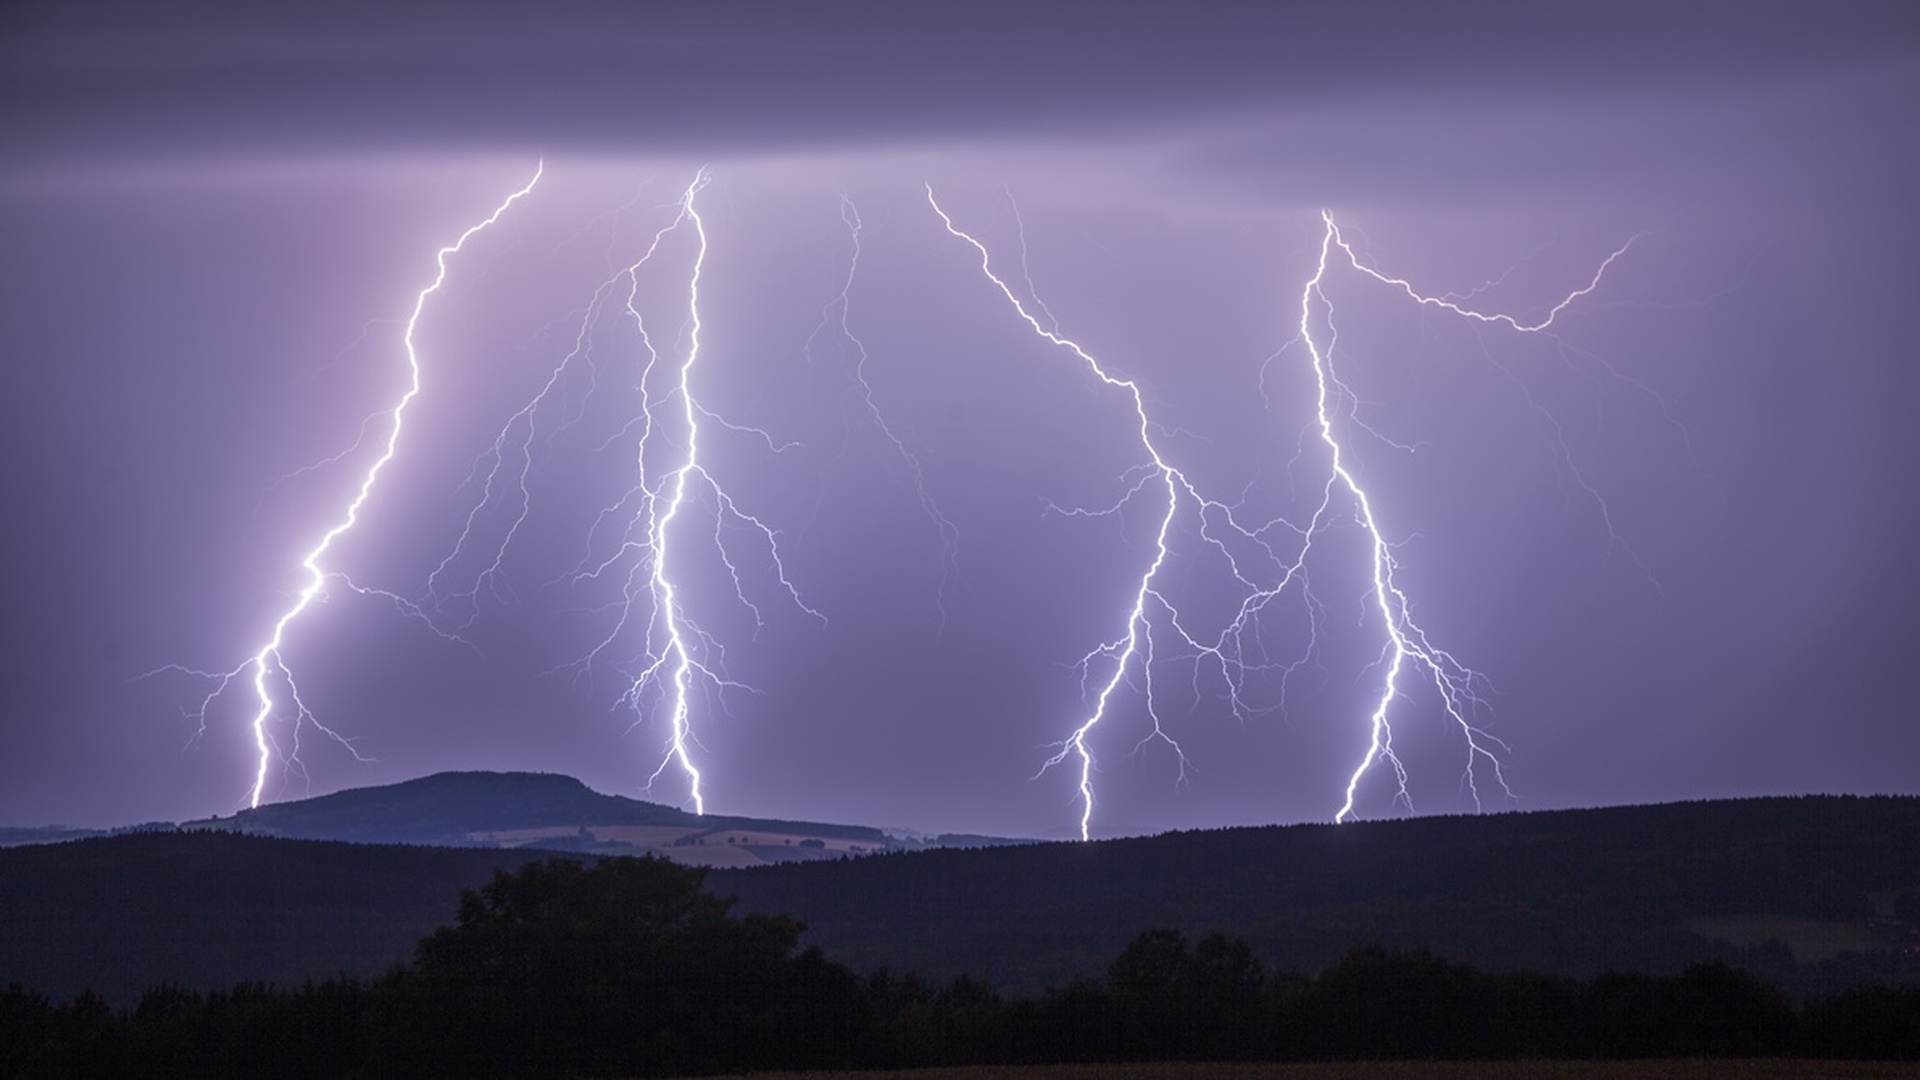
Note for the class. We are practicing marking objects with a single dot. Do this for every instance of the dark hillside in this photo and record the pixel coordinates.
(1770, 884)
(1575, 892)
(205, 910)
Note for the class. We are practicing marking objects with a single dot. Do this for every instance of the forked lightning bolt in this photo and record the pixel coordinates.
(652, 521)
(1135, 645)
(648, 540)
(1234, 651)
(677, 651)
(1406, 640)
(1406, 644)
(837, 316)
(268, 664)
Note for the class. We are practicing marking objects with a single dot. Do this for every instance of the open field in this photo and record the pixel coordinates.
(693, 845)
(1812, 940)
(1683, 1069)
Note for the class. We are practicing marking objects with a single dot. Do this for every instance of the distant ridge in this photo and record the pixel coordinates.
(1815, 894)
(444, 807)
(544, 810)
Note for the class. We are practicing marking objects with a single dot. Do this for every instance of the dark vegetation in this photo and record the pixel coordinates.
(206, 910)
(627, 967)
(1814, 895)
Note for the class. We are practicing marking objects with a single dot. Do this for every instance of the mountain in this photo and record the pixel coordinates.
(1814, 894)
(548, 811)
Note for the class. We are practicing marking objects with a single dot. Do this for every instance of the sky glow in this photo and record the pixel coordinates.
(1478, 434)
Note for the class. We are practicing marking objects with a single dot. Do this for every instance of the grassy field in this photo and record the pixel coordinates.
(1686, 1069)
(1812, 940)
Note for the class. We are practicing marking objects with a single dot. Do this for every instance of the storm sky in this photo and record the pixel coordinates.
(1674, 534)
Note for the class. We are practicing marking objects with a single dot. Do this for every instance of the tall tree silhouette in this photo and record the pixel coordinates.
(624, 965)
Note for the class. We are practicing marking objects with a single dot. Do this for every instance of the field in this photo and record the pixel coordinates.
(696, 845)
(1687, 1069)
(1812, 940)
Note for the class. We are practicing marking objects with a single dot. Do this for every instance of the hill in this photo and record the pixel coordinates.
(206, 910)
(548, 811)
(1812, 893)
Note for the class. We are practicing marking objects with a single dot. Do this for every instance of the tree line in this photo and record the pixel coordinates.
(629, 967)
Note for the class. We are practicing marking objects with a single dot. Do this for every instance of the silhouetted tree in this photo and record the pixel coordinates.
(1228, 984)
(1198, 1004)
(26, 1027)
(1719, 1011)
(901, 1008)
(1152, 988)
(1870, 1022)
(1076, 1022)
(966, 1017)
(1379, 1003)
(828, 1022)
(1623, 1017)
(625, 965)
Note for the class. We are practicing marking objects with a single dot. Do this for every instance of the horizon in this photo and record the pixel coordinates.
(896, 830)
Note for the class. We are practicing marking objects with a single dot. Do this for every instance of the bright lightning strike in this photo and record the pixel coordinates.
(677, 650)
(648, 543)
(1407, 644)
(268, 664)
(653, 523)
(1135, 645)
(1234, 651)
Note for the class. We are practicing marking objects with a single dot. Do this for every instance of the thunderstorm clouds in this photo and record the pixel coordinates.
(869, 405)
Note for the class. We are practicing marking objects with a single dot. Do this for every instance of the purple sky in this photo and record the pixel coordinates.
(1674, 536)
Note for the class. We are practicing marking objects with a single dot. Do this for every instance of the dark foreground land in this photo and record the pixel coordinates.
(626, 967)
(1721, 937)
(1812, 895)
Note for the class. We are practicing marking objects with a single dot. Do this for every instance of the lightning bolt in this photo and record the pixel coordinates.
(1271, 559)
(1407, 645)
(649, 527)
(837, 317)
(268, 665)
(648, 541)
(460, 605)
(1135, 645)
(677, 650)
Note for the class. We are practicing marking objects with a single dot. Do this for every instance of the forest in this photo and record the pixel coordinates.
(1814, 895)
(632, 967)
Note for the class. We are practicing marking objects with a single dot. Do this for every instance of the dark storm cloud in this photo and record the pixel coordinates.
(1660, 150)
(86, 79)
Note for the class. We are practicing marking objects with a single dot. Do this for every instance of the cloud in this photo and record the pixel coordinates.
(85, 81)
